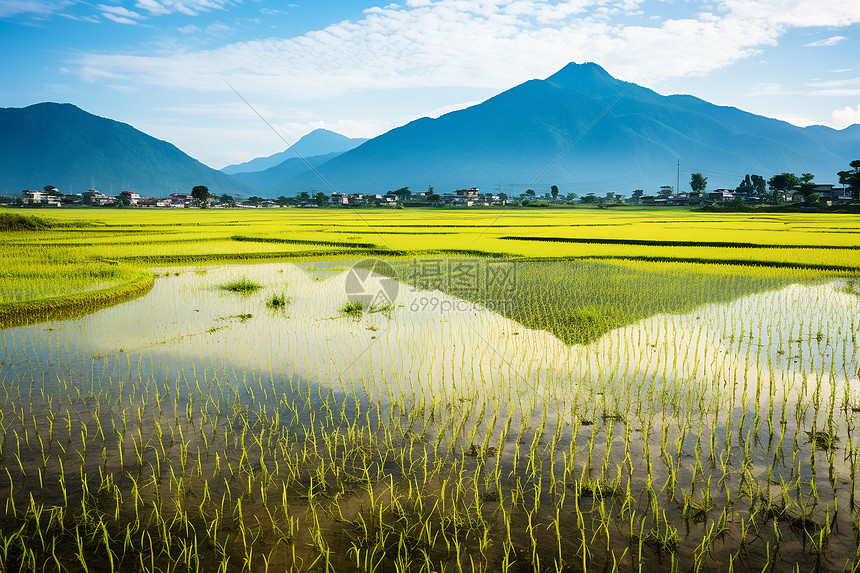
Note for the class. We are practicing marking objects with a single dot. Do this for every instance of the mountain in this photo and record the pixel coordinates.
(317, 142)
(272, 181)
(62, 145)
(539, 133)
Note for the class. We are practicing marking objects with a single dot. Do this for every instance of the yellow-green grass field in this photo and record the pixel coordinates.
(93, 256)
(656, 390)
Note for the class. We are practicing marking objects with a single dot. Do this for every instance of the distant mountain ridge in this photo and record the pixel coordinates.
(508, 141)
(271, 181)
(62, 145)
(318, 142)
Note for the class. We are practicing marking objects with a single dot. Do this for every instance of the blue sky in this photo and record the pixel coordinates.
(361, 68)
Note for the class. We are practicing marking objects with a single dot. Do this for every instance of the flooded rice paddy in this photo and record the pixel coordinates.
(277, 429)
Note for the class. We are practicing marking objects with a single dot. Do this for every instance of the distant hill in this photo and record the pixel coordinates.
(508, 141)
(272, 182)
(317, 142)
(62, 145)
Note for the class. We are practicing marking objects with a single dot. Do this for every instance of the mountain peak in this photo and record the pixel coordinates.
(61, 144)
(588, 76)
(316, 143)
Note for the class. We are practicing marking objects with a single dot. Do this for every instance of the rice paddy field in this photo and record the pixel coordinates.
(429, 391)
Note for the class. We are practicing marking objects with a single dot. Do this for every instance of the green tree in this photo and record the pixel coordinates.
(781, 186)
(759, 184)
(432, 198)
(589, 198)
(282, 200)
(254, 200)
(403, 194)
(851, 178)
(807, 188)
(698, 183)
(321, 199)
(228, 200)
(123, 199)
(637, 195)
(745, 187)
(529, 193)
(571, 197)
(665, 191)
(554, 192)
(752, 185)
(303, 197)
(200, 194)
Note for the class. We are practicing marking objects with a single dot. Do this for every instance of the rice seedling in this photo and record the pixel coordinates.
(277, 301)
(615, 425)
(243, 286)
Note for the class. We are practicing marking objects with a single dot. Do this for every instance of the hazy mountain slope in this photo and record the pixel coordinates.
(317, 142)
(275, 180)
(62, 145)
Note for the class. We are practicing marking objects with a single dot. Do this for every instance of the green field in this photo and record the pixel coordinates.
(80, 250)
(542, 390)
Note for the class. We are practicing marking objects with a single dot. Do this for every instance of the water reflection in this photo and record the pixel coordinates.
(429, 343)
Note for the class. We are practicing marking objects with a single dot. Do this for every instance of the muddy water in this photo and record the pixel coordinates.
(431, 433)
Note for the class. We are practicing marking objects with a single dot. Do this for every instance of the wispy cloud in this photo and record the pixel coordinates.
(843, 87)
(149, 8)
(9, 8)
(187, 7)
(831, 41)
(119, 14)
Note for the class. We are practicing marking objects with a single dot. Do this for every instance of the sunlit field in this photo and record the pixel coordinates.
(428, 390)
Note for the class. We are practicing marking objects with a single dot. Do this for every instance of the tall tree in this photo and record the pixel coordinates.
(745, 187)
(637, 195)
(554, 192)
(200, 194)
(782, 186)
(759, 184)
(403, 194)
(665, 191)
(807, 188)
(698, 183)
(851, 178)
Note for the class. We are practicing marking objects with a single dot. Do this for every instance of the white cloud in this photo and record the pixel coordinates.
(10, 8)
(846, 116)
(491, 44)
(118, 19)
(119, 14)
(843, 87)
(153, 7)
(796, 13)
(187, 7)
(189, 29)
(831, 41)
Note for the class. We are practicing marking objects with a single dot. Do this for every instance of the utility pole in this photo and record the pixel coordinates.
(678, 180)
